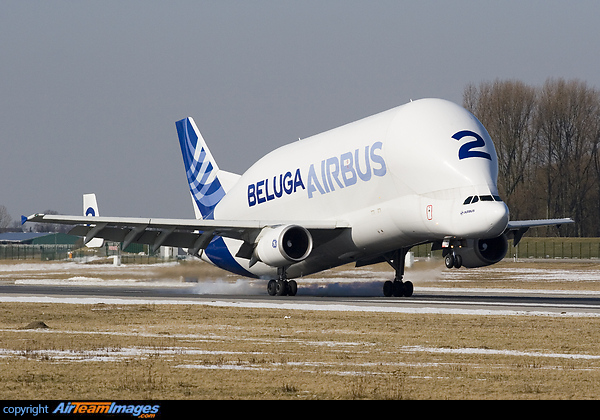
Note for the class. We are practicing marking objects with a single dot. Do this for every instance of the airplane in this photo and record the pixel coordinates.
(90, 208)
(362, 193)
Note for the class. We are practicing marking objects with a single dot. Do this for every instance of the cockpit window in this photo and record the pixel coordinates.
(474, 199)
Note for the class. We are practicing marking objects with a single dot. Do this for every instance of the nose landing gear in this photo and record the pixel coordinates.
(452, 260)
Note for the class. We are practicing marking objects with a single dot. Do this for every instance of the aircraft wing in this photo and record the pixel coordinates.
(194, 234)
(516, 229)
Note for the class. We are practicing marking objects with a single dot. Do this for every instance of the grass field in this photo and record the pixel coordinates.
(161, 351)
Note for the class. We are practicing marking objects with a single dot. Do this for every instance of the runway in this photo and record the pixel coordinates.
(554, 288)
(424, 300)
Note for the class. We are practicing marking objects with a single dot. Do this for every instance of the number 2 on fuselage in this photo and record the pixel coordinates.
(466, 149)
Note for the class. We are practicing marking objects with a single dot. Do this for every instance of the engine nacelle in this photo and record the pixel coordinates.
(482, 252)
(283, 245)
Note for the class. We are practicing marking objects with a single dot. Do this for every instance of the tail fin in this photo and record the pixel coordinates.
(208, 184)
(90, 208)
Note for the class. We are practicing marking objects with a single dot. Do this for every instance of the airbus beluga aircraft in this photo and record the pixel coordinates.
(363, 193)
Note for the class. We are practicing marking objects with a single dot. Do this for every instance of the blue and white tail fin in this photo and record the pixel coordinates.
(90, 208)
(208, 184)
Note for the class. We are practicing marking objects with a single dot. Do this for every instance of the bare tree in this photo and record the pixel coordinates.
(5, 218)
(547, 141)
(506, 109)
(568, 120)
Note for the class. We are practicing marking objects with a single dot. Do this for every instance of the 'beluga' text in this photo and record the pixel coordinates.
(333, 173)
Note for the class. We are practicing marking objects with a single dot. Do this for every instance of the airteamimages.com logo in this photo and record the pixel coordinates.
(78, 408)
(142, 411)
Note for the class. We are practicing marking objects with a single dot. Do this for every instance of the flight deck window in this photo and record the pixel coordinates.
(474, 199)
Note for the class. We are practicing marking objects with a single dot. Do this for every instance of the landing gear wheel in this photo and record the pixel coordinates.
(272, 287)
(398, 289)
(408, 288)
(388, 288)
(457, 261)
(281, 288)
(449, 260)
(292, 288)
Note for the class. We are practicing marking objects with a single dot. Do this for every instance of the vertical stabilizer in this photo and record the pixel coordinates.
(202, 172)
(90, 208)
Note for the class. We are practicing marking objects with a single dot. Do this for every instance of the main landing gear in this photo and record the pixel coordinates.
(397, 288)
(282, 287)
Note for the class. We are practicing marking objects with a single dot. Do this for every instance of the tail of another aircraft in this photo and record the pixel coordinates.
(90, 208)
(208, 184)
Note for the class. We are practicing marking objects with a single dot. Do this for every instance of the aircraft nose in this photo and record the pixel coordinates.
(497, 215)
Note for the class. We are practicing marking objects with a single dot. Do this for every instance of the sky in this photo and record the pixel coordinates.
(90, 90)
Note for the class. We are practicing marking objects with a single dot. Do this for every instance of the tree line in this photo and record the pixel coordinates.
(547, 141)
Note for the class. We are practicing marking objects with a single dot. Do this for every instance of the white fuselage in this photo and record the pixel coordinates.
(397, 179)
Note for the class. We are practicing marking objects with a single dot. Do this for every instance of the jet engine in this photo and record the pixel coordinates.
(283, 245)
(478, 252)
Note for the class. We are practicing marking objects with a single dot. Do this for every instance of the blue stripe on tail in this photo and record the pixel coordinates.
(201, 173)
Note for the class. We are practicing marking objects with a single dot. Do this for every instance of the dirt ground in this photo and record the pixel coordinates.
(161, 351)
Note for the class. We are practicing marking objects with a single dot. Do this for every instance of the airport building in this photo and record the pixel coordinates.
(36, 245)
(37, 238)
(57, 246)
